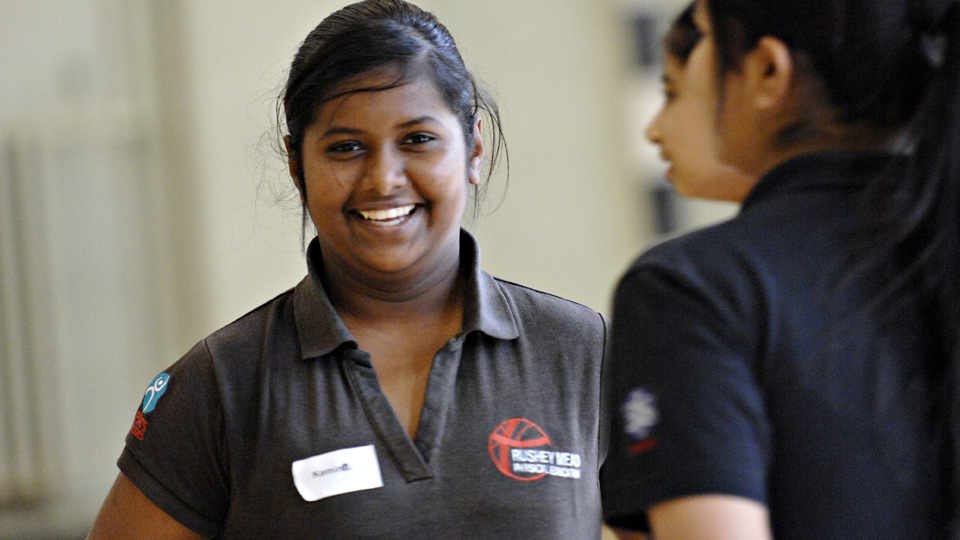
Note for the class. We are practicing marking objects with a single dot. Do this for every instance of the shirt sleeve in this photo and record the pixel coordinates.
(687, 412)
(174, 451)
(604, 408)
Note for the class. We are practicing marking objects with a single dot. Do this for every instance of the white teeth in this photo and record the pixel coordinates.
(384, 215)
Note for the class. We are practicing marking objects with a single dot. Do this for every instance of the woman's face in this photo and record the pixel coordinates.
(386, 175)
(742, 129)
(685, 130)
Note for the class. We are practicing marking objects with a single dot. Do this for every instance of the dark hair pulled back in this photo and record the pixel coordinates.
(682, 36)
(393, 37)
(894, 64)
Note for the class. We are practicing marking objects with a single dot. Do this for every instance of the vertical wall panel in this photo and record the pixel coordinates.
(20, 465)
(85, 309)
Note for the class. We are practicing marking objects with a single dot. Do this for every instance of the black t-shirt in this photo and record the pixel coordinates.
(276, 427)
(745, 363)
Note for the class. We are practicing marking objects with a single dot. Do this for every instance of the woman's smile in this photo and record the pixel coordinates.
(388, 217)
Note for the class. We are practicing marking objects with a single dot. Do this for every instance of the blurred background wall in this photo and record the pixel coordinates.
(143, 204)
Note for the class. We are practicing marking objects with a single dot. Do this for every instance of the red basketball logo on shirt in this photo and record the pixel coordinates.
(516, 434)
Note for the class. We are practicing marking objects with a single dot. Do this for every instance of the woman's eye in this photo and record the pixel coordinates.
(419, 138)
(344, 147)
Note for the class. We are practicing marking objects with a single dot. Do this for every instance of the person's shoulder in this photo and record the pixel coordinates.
(763, 240)
(231, 355)
(718, 241)
(249, 329)
(534, 303)
(537, 298)
(727, 259)
(550, 322)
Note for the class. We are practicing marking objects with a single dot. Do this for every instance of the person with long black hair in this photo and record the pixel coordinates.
(794, 372)
(398, 391)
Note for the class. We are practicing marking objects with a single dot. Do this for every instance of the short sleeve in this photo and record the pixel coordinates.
(687, 412)
(174, 451)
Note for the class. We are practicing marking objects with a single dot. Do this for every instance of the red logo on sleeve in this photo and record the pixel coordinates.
(139, 426)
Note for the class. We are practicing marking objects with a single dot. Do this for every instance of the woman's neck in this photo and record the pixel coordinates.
(811, 126)
(366, 300)
(852, 138)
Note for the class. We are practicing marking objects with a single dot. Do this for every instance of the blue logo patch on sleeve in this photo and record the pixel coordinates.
(154, 391)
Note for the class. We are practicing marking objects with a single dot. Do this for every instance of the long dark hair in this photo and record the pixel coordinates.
(395, 37)
(895, 65)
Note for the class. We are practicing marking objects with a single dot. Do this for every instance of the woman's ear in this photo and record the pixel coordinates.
(768, 73)
(476, 155)
(294, 165)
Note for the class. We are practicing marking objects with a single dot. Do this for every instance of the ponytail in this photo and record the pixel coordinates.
(939, 147)
(913, 218)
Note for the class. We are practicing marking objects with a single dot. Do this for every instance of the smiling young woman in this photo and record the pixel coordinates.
(389, 393)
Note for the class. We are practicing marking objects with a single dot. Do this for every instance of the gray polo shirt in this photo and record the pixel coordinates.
(276, 427)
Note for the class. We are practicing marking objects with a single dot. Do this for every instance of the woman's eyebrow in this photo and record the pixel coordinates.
(341, 130)
(337, 130)
(419, 120)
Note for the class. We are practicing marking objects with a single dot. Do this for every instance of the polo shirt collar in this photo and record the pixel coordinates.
(819, 170)
(321, 330)
(485, 308)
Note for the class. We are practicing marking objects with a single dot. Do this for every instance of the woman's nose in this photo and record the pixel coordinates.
(653, 129)
(385, 171)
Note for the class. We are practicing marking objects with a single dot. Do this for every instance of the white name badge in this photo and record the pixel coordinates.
(337, 472)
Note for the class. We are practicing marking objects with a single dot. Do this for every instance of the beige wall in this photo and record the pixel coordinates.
(570, 220)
